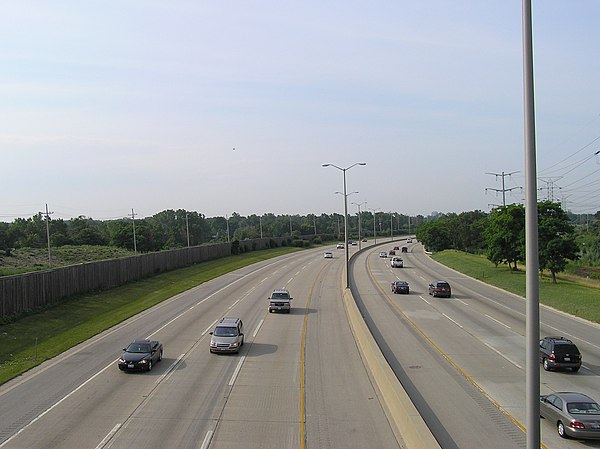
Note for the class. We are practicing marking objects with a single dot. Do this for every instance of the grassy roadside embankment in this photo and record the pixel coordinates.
(42, 335)
(576, 297)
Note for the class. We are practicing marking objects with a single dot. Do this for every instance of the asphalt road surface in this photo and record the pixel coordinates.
(462, 359)
(297, 382)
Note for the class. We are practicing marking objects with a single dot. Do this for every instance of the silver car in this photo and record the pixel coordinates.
(574, 414)
(228, 335)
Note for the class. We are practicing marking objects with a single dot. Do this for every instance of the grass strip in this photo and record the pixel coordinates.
(575, 298)
(42, 335)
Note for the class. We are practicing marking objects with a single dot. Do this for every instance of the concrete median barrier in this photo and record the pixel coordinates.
(408, 425)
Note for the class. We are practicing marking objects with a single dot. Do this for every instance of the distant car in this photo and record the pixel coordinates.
(404, 249)
(400, 287)
(391, 252)
(328, 255)
(228, 335)
(559, 353)
(354, 243)
(364, 240)
(141, 355)
(350, 242)
(396, 248)
(440, 288)
(340, 246)
(397, 262)
(575, 415)
(409, 240)
(383, 254)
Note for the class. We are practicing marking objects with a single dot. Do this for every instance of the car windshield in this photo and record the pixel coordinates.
(225, 331)
(583, 408)
(441, 285)
(279, 295)
(138, 347)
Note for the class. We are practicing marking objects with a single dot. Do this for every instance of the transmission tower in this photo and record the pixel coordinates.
(503, 190)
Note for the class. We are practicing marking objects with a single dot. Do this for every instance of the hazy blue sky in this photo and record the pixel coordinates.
(113, 105)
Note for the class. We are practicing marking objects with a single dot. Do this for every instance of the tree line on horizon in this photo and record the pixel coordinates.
(170, 229)
(500, 235)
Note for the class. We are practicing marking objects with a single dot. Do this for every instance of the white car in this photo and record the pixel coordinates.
(340, 246)
(409, 240)
(328, 255)
(397, 262)
(383, 254)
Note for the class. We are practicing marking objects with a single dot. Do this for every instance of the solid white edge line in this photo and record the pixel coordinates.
(207, 439)
(109, 436)
(257, 328)
(237, 371)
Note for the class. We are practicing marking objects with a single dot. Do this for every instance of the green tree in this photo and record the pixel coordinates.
(556, 241)
(505, 235)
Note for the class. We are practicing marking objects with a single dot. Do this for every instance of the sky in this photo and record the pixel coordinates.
(229, 106)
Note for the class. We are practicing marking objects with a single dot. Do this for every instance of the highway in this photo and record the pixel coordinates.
(462, 359)
(298, 381)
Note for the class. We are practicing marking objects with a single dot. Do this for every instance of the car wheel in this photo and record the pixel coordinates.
(575, 369)
(560, 428)
(150, 365)
(546, 365)
(160, 355)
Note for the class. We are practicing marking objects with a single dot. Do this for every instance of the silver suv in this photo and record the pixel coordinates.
(228, 335)
(280, 301)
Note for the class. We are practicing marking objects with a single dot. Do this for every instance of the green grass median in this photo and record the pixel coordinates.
(573, 297)
(42, 335)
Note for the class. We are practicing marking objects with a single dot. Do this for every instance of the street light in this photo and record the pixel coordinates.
(359, 237)
(374, 223)
(343, 170)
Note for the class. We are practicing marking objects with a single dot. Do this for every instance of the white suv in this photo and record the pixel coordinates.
(280, 301)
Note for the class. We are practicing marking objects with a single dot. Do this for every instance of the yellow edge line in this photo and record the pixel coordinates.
(443, 354)
(302, 360)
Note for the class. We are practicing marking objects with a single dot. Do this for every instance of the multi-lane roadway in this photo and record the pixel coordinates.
(299, 380)
(462, 359)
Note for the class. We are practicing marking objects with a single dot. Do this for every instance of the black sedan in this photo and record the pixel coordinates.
(400, 287)
(141, 355)
(574, 414)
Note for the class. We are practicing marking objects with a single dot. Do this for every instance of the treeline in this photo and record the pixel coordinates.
(171, 229)
(500, 235)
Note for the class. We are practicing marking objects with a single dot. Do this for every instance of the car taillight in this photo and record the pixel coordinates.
(552, 356)
(577, 425)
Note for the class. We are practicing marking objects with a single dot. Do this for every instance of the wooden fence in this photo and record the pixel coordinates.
(29, 291)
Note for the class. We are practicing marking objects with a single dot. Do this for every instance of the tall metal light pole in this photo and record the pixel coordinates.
(374, 225)
(391, 227)
(532, 328)
(343, 170)
(359, 219)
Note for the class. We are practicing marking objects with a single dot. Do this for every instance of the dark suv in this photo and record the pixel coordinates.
(559, 353)
(440, 288)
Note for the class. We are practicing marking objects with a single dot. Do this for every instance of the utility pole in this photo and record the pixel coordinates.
(47, 214)
(315, 224)
(227, 222)
(133, 214)
(503, 190)
(187, 229)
